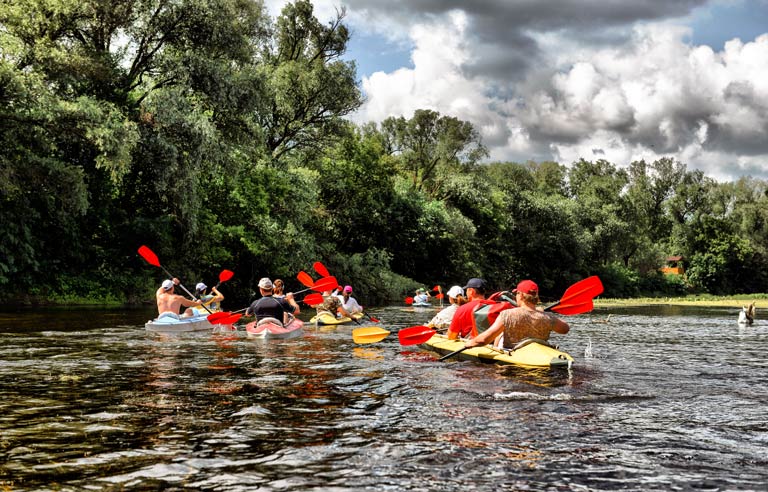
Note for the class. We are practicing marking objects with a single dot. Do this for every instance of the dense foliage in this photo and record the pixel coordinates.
(217, 136)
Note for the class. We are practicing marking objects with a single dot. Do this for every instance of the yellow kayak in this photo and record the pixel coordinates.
(530, 352)
(329, 319)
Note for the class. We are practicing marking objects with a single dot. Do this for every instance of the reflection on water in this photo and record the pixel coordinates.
(658, 399)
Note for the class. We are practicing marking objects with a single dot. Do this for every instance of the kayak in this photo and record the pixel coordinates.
(421, 304)
(530, 352)
(274, 329)
(174, 325)
(329, 319)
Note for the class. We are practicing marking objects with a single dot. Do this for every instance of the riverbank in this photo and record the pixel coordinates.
(760, 300)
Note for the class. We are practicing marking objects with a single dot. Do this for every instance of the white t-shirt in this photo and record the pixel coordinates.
(350, 305)
(444, 317)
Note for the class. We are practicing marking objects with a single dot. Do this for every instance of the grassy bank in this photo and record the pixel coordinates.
(760, 300)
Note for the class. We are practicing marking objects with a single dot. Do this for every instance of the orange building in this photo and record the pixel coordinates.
(674, 266)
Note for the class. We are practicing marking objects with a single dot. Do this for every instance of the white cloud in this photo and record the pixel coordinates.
(654, 96)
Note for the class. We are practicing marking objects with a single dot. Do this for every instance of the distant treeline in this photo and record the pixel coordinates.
(217, 136)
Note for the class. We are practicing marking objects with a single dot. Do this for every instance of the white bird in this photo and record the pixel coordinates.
(747, 314)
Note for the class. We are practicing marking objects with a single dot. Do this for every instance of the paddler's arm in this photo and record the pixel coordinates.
(189, 302)
(559, 325)
(292, 302)
(487, 336)
(218, 296)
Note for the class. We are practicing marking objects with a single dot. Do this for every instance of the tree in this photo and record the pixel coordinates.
(307, 88)
(431, 147)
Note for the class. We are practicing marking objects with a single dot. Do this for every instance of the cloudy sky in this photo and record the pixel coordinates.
(560, 80)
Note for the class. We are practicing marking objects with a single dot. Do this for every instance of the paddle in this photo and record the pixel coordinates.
(577, 299)
(216, 317)
(305, 279)
(153, 260)
(320, 269)
(224, 276)
(371, 317)
(322, 285)
(414, 335)
(313, 299)
(409, 300)
(370, 334)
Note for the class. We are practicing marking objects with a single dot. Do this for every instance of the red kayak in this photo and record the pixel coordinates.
(271, 328)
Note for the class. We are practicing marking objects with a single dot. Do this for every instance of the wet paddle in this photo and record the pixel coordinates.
(375, 320)
(414, 335)
(370, 334)
(153, 260)
(577, 299)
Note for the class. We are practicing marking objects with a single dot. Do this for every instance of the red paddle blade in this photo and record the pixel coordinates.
(437, 288)
(216, 317)
(439, 296)
(578, 297)
(313, 299)
(320, 269)
(149, 255)
(409, 300)
(415, 335)
(225, 275)
(585, 289)
(375, 320)
(305, 279)
(583, 307)
(327, 283)
(232, 319)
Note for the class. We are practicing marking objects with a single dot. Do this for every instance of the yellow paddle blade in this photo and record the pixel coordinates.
(369, 334)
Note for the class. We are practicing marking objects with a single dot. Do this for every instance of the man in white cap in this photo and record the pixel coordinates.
(279, 309)
(168, 303)
(442, 320)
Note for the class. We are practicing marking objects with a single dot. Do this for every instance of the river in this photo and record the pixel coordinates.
(662, 398)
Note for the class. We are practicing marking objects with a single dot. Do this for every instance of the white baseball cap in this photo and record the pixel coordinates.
(455, 291)
(200, 286)
(265, 284)
(167, 284)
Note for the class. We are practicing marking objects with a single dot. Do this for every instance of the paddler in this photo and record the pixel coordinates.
(168, 303)
(212, 301)
(463, 322)
(442, 320)
(525, 321)
(279, 309)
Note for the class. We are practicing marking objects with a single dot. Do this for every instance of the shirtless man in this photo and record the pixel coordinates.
(168, 303)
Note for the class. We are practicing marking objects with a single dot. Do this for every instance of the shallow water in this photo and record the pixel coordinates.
(658, 399)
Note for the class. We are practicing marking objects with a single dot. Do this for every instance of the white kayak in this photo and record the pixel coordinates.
(169, 324)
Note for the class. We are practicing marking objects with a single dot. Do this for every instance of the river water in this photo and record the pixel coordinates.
(658, 399)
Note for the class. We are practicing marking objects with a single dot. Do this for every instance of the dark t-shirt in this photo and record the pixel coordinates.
(269, 307)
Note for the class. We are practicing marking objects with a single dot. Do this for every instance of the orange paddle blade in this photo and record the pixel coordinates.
(327, 283)
(305, 279)
(225, 275)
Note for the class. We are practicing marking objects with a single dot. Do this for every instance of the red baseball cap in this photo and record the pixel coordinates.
(527, 287)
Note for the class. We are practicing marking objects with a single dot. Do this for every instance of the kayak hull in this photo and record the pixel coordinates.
(528, 353)
(168, 324)
(329, 319)
(275, 330)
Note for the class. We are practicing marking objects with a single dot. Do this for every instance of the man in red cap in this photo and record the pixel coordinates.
(523, 322)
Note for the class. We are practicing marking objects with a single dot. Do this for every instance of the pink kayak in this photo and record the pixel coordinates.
(271, 328)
